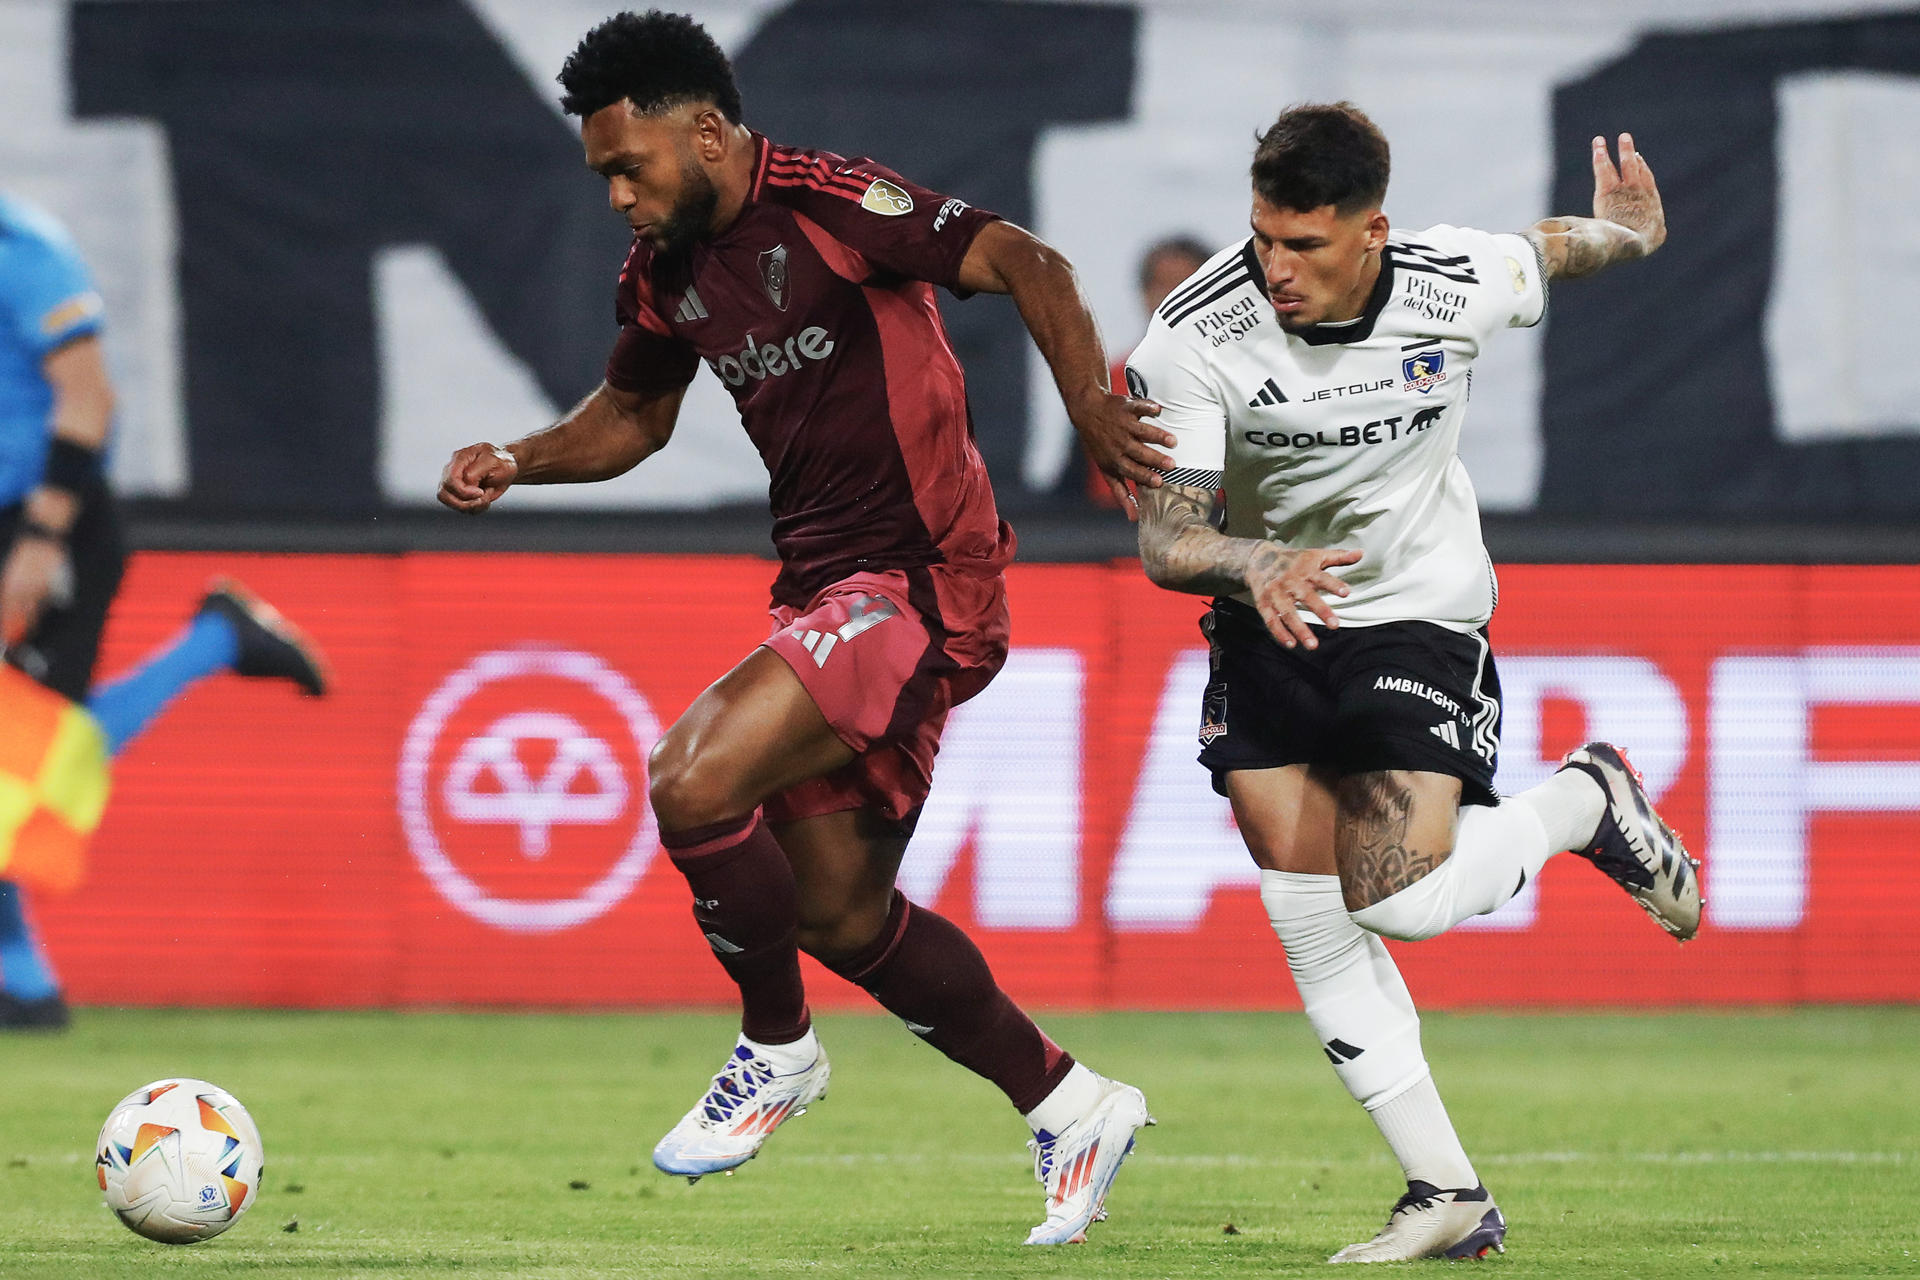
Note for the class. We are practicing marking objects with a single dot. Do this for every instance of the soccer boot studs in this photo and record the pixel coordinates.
(1432, 1222)
(1635, 847)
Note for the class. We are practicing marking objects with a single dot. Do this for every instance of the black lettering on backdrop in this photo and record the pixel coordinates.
(305, 138)
(1656, 400)
(954, 96)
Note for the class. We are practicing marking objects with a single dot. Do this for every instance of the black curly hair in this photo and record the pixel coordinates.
(655, 60)
(1320, 154)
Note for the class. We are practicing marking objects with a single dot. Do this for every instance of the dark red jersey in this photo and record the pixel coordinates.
(816, 310)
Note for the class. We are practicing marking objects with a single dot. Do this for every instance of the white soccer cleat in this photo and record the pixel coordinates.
(1429, 1222)
(746, 1102)
(1078, 1165)
(1635, 847)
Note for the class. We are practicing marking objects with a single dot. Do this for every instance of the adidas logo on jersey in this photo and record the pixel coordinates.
(691, 309)
(1447, 732)
(1270, 394)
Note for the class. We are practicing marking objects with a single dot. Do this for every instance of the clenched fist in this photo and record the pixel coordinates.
(476, 476)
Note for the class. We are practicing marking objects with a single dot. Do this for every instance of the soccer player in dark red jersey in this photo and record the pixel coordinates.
(787, 792)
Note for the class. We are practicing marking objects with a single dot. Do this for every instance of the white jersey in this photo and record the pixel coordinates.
(1346, 435)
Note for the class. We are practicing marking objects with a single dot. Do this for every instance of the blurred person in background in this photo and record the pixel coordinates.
(63, 554)
(1164, 265)
(787, 793)
(1318, 372)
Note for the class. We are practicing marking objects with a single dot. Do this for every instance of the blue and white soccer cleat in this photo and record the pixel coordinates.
(1078, 1165)
(1432, 1222)
(747, 1101)
(1635, 847)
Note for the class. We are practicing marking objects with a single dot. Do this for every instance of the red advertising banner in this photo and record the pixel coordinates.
(464, 821)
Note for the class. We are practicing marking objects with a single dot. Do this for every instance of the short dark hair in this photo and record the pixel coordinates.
(656, 60)
(1319, 154)
(1185, 246)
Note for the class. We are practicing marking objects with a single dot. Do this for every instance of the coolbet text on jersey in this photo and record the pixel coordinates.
(1344, 435)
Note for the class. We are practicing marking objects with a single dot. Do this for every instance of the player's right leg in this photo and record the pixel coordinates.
(1267, 729)
(754, 733)
(1362, 1014)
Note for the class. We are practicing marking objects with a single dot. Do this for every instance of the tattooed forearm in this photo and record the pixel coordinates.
(1371, 841)
(1181, 549)
(1574, 247)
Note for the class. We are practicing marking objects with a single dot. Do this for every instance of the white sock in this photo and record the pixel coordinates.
(785, 1059)
(1569, 805)
(1416, 1126)
(1072, 1098)
(1364, 1018)
(1497, 850)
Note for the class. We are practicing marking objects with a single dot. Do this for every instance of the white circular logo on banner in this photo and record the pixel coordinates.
(489, 782)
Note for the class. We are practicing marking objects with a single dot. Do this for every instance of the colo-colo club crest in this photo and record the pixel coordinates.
(773, 274)
(1424, 372)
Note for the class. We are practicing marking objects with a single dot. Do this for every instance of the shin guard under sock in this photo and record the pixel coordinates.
(1364, 1018)
(927, 973)
(746, 903)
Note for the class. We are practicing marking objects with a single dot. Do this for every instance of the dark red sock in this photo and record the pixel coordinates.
(927, 973)
(745, 901)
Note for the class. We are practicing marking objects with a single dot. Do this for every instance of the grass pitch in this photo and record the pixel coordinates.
(503, 1145)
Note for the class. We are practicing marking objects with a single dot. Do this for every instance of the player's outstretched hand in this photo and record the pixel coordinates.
(476, 476)
(1284, 582)
(1627, 195)
(1118, 433)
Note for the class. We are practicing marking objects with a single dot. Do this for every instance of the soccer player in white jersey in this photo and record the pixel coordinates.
(1318, 373)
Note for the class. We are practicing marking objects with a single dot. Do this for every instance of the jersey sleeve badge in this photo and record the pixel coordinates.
(886, 199)
(73, 311)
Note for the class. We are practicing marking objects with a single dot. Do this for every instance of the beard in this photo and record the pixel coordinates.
(691, 219)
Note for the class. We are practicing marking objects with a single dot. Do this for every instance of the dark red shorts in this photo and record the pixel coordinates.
(885, 656)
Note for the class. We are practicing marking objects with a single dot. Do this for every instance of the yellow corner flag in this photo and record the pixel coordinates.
(54, 779)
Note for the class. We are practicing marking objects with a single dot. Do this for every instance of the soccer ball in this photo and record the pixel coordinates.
(179, 1160)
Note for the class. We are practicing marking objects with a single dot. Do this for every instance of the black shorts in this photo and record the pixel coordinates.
(60, 650)
(1397, 695)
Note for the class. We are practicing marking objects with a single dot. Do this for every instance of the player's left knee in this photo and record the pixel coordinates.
(686, 790)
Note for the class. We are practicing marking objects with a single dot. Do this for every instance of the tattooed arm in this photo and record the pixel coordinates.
(1182, 551)
(1627, 220)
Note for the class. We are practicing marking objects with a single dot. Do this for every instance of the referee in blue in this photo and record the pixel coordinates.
(62, 553)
